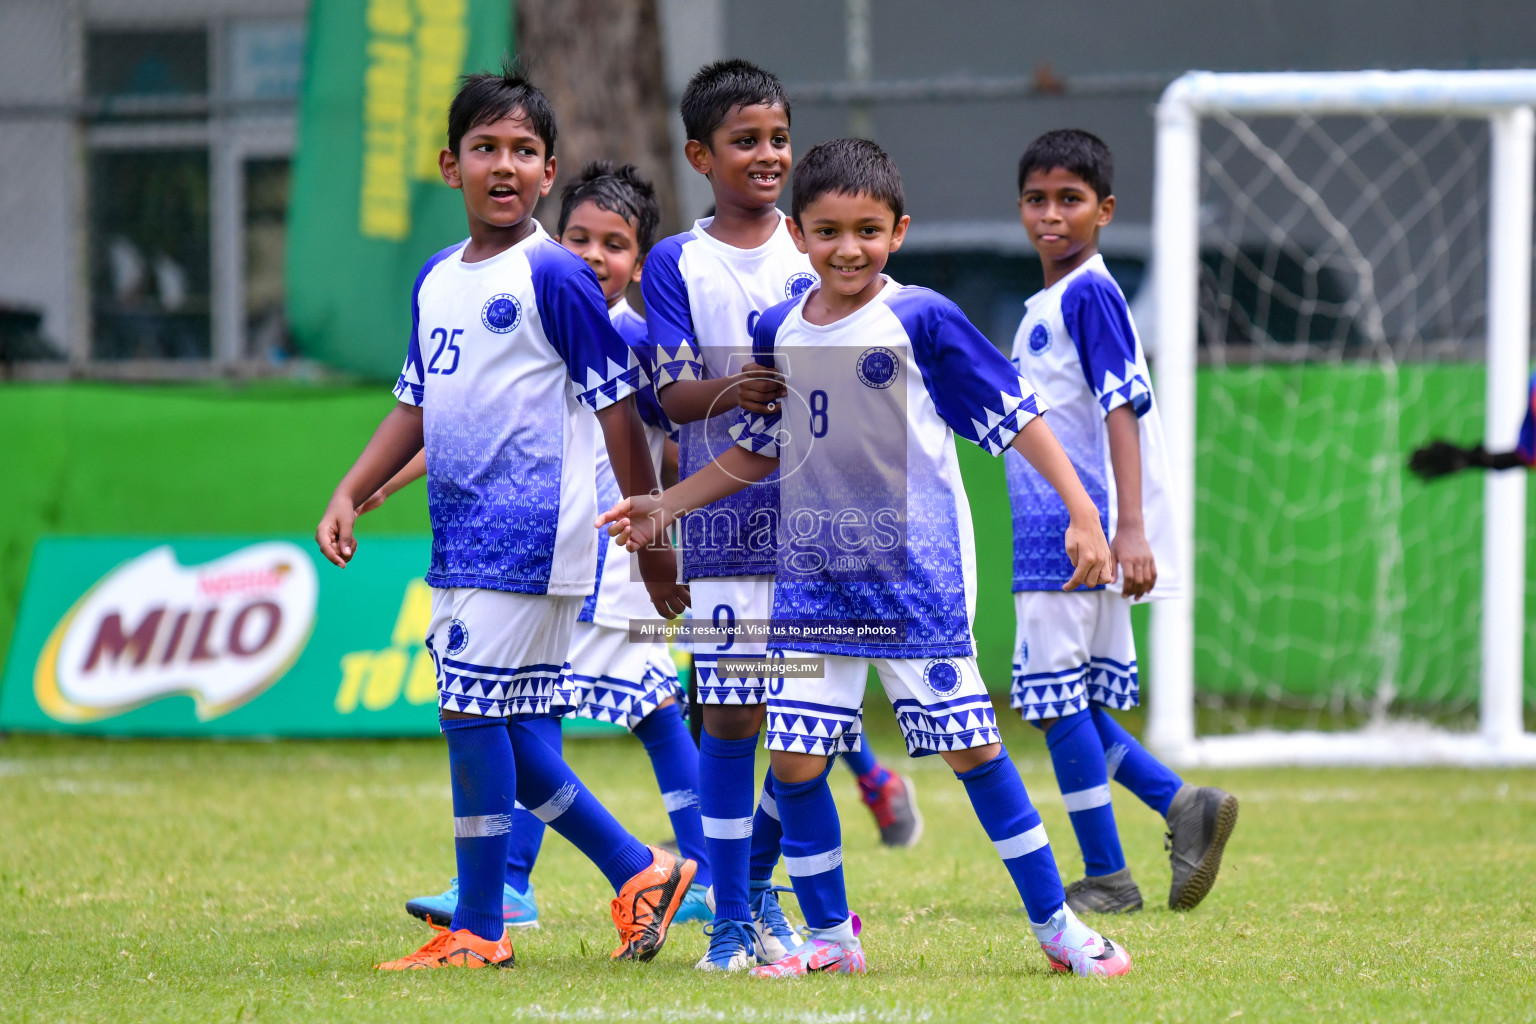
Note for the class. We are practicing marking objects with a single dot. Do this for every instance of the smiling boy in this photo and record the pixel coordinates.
(510, 339)
(1074, 653)
(881, 378)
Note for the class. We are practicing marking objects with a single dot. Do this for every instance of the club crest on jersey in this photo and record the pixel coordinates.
(877, 367)
(797, 284)
(501, 313)
(1039, 338)
(458, 636)
(942, 676)
(1023, 653)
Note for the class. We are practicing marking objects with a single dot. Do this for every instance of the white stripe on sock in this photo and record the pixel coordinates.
(727, 828)
(556, 805)
(770, 807)
(1086, 799)
(678, 799)
(476, 826)
(1024, 842)
(815, 864)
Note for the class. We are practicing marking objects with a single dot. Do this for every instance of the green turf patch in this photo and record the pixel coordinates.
(231, 881)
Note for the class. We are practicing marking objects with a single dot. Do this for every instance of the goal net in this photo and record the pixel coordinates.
(1342, 264)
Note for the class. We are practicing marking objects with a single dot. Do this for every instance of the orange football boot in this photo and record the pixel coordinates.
(645, 905)
(462, 948)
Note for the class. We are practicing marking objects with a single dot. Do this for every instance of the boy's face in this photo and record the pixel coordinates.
(606, 240)
(849, 238)
(501, 169)
(1062, 213)
(747, 159)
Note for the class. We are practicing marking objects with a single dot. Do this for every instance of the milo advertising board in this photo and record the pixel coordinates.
(222, 637)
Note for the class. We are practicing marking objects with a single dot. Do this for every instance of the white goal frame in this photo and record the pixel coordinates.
(1506, 99)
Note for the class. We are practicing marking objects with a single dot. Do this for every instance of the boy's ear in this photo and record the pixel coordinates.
(448, 167)
(634, 275)
(1106, 210)
(699, 156)
(797, 234)
(899, 234)
(548, 181)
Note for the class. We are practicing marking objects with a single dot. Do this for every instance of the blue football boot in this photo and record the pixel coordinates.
(695, 906)
(518, 908)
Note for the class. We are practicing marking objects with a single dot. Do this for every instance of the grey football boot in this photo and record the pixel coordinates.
(1115, 893)
(1200, 821)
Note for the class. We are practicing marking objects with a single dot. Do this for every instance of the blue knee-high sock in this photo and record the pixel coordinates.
(1129, 764)
(813, 849)
(767, 835)
(1013, 825)
(528, 831)
(1079, 761)
(725, 807)
(675, 760)
(553, 794)
(484, 778)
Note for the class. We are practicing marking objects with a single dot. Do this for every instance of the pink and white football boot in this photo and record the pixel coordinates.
(1072, 946)
(825, 951)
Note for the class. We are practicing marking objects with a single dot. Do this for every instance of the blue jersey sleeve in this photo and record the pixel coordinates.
(1099, 322)
(669, 316)
(1527, 448)
(974, 387)
(575, 320)
(411, 388)
(632, 329)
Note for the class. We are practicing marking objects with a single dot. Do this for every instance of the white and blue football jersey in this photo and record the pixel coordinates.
(1079, 348)
(508, 358)
(702, 297)
(619, 595)
(875, 523)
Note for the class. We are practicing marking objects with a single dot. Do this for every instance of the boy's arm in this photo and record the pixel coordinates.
(639, 519)
(685, 401)
(1092, 560)
(630, 457)
(413, 471)
(1441, 458)
(1129, 545)
(397, 439)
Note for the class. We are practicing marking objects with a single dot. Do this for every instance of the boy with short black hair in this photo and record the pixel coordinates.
(510, 339)
(703, 290)
(1074, 655)
(880, 378)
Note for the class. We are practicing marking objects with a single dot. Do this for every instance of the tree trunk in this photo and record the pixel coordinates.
(600, 63)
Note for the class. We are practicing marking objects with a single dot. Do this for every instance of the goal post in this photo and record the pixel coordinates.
(1366, 329)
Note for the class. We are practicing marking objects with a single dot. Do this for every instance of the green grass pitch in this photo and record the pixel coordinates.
(225, 881)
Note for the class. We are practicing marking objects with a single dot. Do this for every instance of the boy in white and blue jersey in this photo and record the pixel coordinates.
(879, 565)
(511, 350)
(703, 290)
(1074, 654)
(608, 217)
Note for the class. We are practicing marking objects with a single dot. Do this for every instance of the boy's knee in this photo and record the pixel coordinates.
(961, 761)
(792, 768)
(733, 721)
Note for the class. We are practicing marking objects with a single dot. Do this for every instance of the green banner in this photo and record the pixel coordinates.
(368, 205)
(223, 637)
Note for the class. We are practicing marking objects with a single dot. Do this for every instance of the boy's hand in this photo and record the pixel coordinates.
(373, 502)
(1138, 568)
(1441, 458)
(1093, 563)
(759, 389)
(658, 567)
(636, 522)
(334, 534)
